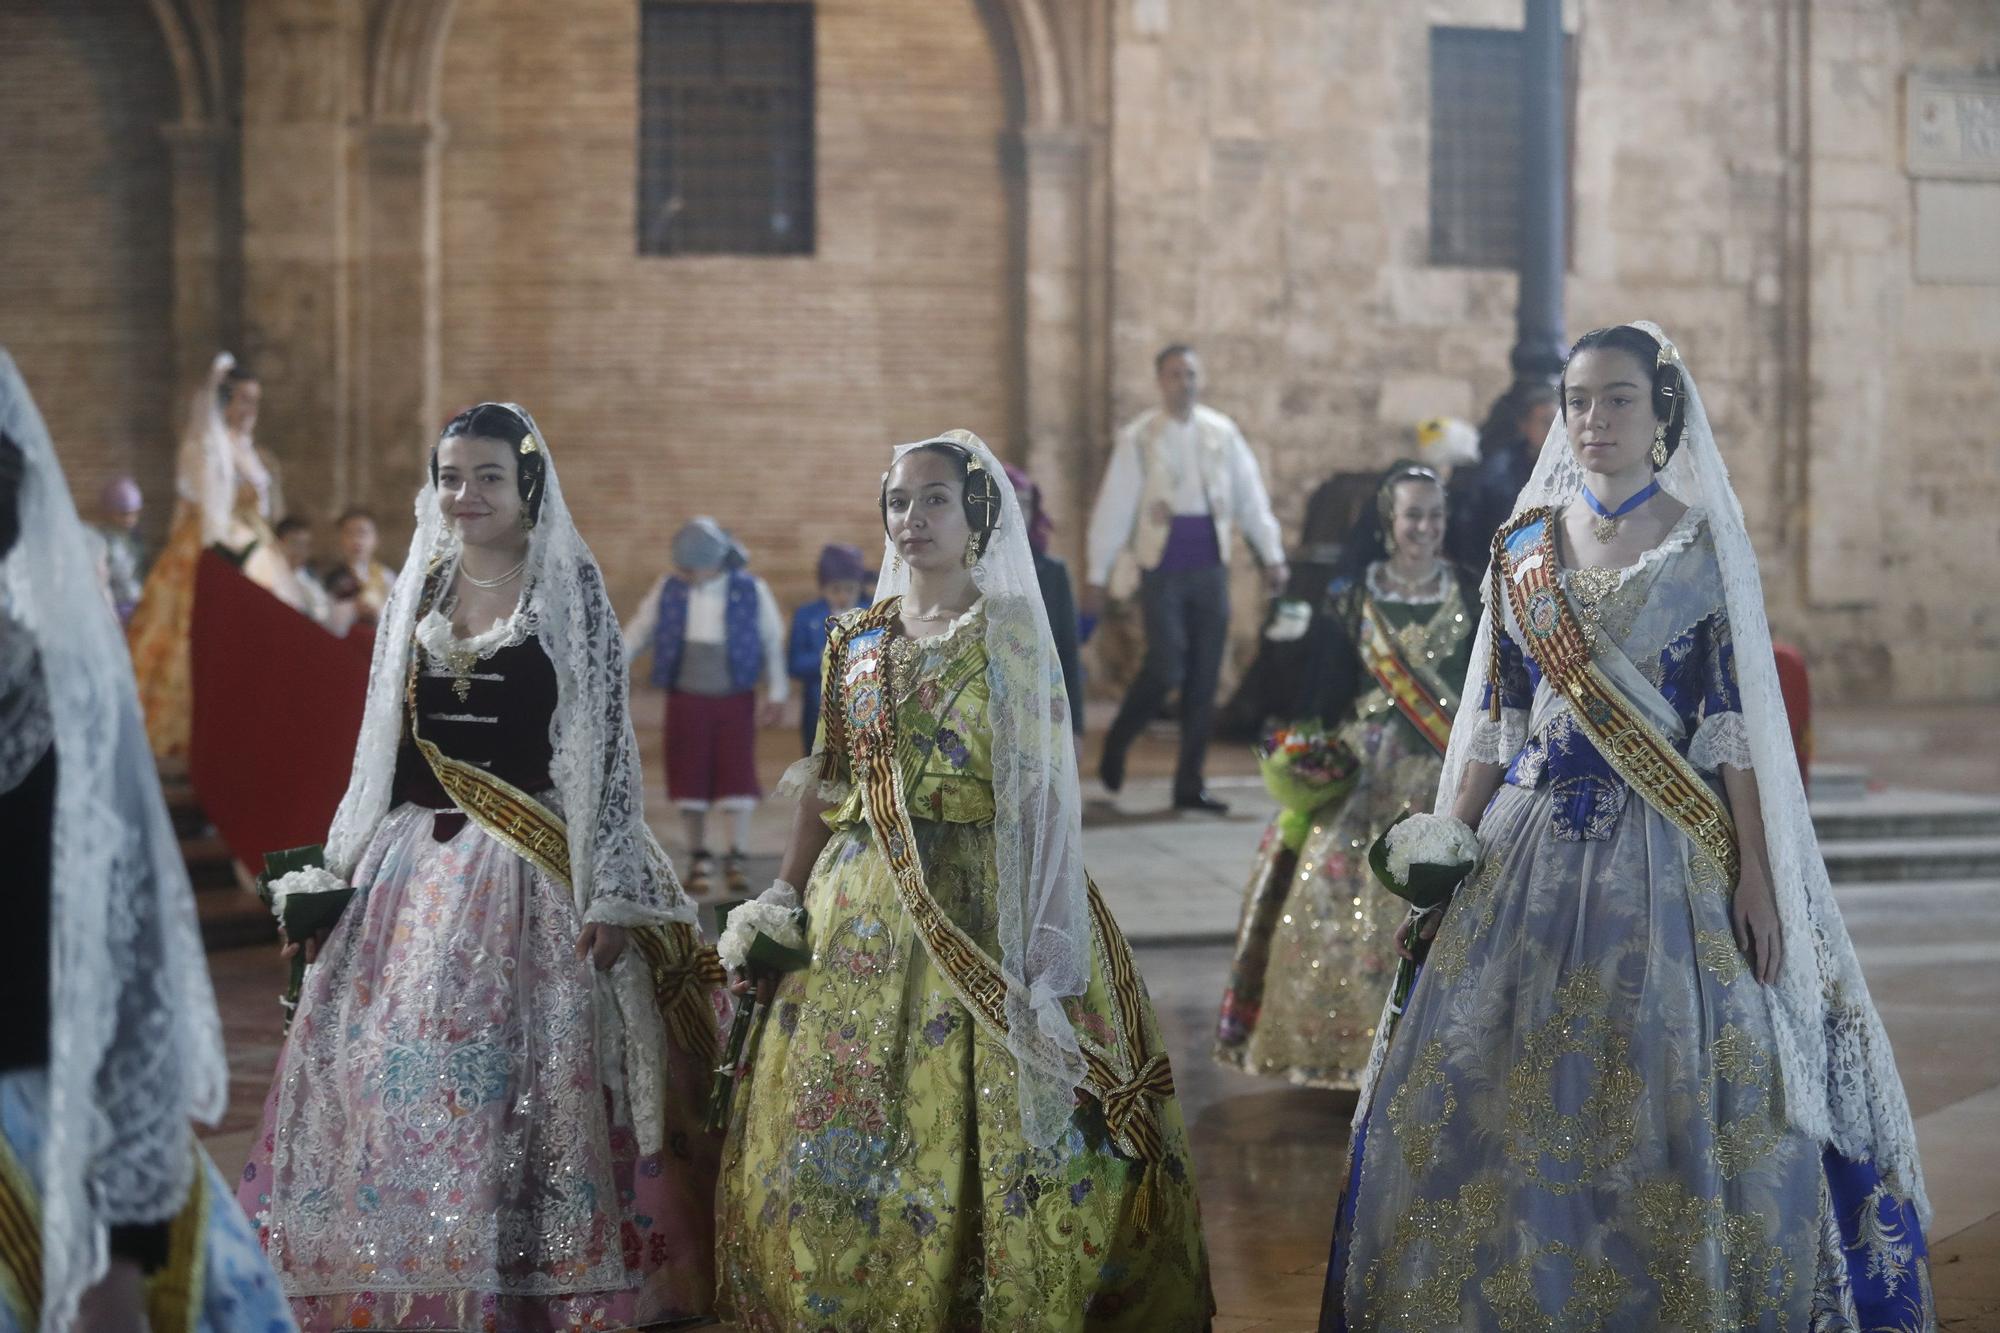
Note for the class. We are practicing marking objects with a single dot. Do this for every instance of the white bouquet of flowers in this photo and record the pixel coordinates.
(1422, 859)
(775, 922)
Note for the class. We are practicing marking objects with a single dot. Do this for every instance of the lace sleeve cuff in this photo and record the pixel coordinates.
(1721, 739)
(1498, 742)
(803, 779)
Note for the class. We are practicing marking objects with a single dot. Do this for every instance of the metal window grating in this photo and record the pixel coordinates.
(725, 128)
(1475, 147)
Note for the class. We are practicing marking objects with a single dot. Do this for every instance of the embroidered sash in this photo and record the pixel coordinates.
(173, 1292)
(1417, 694)
(1125, 1078)
(1526, 564)
(684, 969)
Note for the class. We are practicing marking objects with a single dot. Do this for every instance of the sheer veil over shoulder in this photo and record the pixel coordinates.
(1044, 909)
(1838, 1073)
(135, 1045)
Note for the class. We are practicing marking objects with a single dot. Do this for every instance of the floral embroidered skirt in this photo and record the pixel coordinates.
(1579, 1125)
(235, 1290)
(876, 1177)
(446, 1144)
(1315, 946)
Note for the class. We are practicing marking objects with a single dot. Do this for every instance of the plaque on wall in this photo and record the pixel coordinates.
(1954, 126)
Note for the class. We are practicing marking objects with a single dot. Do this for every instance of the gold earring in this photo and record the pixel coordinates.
(1660, 445)
(896, 563)
(971, 552)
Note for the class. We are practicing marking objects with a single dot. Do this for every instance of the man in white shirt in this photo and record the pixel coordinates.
(1181, 476)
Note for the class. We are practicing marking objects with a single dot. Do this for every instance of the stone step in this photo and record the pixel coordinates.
(1875, 860)
(1901, 813)
(1837, 782)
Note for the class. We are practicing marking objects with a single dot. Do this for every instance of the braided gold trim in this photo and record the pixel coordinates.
(1125, 1082)
(174, 1293)
(1417, 696)
(20, 1240)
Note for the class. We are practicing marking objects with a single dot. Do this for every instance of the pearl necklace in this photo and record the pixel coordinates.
(478, 582)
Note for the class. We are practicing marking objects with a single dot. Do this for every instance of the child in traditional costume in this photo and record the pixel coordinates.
(840, 578)
(714, 631)
(960, 1114)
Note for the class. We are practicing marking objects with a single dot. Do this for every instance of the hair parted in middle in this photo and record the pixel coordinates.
(1662, 363)
(980, 493)
(497, 421)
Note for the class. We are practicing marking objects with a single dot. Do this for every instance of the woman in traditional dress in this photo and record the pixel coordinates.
(960, 1115)
(1640, 1083)
(1388, 654)
(488, 1111)
(227, 498)
(110, 1216)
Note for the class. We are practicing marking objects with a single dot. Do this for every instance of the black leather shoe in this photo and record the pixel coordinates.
(1203, 802)
(1111, 771)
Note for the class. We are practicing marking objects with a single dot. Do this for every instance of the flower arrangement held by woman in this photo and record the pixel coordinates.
(1315, 948)
(488, 1111)
(1640, 1082)
(960, 1115)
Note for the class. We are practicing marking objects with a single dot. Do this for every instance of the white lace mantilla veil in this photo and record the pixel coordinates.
(619, 872)
(135, 1047)
(1043, 907)
(1838, 1073)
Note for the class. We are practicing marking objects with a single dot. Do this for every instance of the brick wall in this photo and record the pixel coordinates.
(764, 391)
(84, 232)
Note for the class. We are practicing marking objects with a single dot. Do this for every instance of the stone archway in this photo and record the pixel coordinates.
(1053, 51)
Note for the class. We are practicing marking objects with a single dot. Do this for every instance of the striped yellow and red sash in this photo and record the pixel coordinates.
(173, 1292)
(1417, 696)
(1124, 1077)
(1526, 564)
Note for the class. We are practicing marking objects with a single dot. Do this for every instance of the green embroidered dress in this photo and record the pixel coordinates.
(876, 1176)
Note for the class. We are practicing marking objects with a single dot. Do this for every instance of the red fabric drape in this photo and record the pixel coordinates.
(1798, 703)
(277, 708)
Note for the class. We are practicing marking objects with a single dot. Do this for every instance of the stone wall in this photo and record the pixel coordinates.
(85, 228)
(763, 390)
(1018, 202)
(1270, 203)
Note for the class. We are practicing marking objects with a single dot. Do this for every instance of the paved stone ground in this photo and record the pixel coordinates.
(1268, 1155)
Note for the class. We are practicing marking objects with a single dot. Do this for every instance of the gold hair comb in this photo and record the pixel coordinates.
(1670, 355)
(529, 444)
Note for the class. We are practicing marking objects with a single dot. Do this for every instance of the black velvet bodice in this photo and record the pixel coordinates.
(501, 725)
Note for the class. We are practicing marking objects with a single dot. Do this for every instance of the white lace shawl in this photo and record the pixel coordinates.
(1839, 1074)
(618, 871)
(135, 1046)
(1042, 903)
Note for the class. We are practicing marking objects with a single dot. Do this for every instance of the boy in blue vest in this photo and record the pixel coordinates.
(841, 575)
(714, 631)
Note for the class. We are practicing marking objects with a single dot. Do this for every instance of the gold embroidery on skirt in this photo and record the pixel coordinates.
(1600, 1132)
(1595, 1292)
(1760, 1276)
(1449, 1232)
(1417, 1131)
(1719, 954)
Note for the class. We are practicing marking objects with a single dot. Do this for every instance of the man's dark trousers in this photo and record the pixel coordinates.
(1187, 626)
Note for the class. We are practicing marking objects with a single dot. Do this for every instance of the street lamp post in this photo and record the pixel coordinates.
(1539, 342)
